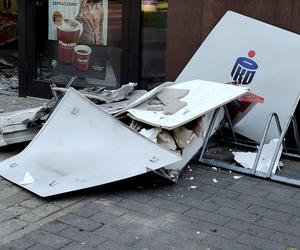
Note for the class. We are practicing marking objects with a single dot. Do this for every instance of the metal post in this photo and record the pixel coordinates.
(229, 123)
(210, 128)
(280, 141)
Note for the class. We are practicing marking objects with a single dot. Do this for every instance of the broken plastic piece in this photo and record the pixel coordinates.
(28, 179)
(247, 159)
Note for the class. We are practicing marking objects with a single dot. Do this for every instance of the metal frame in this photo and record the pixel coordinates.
(235, 142)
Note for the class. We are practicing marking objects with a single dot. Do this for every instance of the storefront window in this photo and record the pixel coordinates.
(153, 43)
(8, 47)
(79, 38)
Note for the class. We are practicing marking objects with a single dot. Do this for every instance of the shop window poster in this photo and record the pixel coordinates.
(8, 6)
(77, 36)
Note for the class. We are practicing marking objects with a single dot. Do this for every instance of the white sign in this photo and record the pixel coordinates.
(256, 55)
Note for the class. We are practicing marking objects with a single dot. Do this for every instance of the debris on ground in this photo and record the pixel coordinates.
(247, 159)
(170, 139)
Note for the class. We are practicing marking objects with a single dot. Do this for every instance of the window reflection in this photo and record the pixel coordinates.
(153, 43)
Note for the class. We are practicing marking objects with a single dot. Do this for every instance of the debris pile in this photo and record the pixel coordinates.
(83, 143)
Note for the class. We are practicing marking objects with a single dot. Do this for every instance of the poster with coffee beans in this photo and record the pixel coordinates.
(77, 36)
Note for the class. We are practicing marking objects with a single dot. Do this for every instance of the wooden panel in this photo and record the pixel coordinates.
(295, 22)
(183, 34)
(190, 21)
(275, 12)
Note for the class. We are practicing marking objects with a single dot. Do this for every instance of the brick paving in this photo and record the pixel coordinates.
(146, 212)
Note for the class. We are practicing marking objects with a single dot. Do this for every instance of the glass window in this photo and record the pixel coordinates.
(8, 47)
(79, 38)
(153, 43)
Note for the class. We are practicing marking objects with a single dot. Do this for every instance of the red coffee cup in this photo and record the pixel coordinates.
(68, 35)
(82, 57)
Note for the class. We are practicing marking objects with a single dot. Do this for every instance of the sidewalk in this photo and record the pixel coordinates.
(218, 212)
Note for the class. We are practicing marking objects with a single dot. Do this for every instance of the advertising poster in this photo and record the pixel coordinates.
(8, 6)
(77, 37)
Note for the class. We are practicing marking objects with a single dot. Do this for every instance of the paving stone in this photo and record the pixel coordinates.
(283, 199)
(135, 195)
(249, 228)
(297, 195)
(294, 220)
(206, 216)
(198, 225)
(22, 243)
(111, 197)
(204, 205)
(271, 187)
(220, 191)
(103, 218)
(80, 222)
(192, 193)
(184, 232)
(141, 208)
(66, 201)
(286, 239)
(225, 244)
(89, 239)
(40, 247)
(269, 213)
(6, 215)
(11, 226)
(33, 202)
(4, 248)
(77, 246)
(221, 231)
(15, 210)
(13, 195)
(247, 190)
(106, 207)
(279, 226)
(110, 245)
(48, 239)
(260, 243)
(152, 245)
(36, 214)
(168, 205)
(117, 235)
(241, 215)
(183, 243)
(54, 227)
(166, 195)
(230, 203)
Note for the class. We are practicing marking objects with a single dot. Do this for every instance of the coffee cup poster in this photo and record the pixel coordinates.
(78, 36)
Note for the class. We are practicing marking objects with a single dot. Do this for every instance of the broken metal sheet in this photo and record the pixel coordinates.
(18, 137)
(247, 159)
(81, 146)
(196, 142)
(255, 54)
(145, 97)
(115, 107)
(12, 121)
(202, 98)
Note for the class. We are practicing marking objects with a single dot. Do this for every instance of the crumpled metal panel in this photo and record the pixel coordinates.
(81, 146)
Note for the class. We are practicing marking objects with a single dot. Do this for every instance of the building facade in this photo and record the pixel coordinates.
(113, 42)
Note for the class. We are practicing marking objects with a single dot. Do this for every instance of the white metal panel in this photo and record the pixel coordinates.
(203, 97)
(81, 146)
(276, 78)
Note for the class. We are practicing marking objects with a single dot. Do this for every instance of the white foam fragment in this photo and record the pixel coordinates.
(28, 179)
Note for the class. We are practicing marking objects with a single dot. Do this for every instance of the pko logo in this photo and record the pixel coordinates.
(244, 69)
